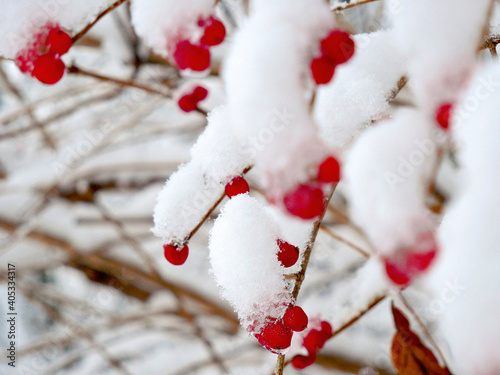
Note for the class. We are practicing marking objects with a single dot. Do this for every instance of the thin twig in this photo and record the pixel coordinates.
(90, 25)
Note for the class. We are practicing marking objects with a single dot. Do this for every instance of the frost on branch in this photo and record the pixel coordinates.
(360, 90)
(440, 40)
(267, 72)
(190, 192)
(388, 172)
(470, 234)
(243, 256)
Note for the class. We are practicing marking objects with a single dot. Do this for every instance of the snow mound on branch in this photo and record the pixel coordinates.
(189, 193)
(266, 75)
(470, 234)
(387, 173)
(441, 40)
(161, 22)
(21, 20)
(244, 262)
(359, 91)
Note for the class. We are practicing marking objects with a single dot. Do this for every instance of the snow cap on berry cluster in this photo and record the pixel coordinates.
(161, 22)
(243, 257)
(441, 40)
(266, 79)
(22, 20)
(358, 94)
(190, 192)
(467, 269)
(387, 173)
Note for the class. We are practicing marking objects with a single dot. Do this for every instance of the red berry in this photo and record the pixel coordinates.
(275, 336)
(187, 103)
(421, 261)
(199, 93)
(175, 255)
(296, 318)
(215, 32)
(443, 115)
(306, 201)
(48, 69)
(237, 186)
(338, 46)
(397, 273)
(329, 170)
(411, 261)
(322, 70)
(301, 361)
(287, 254)
(326, 330)
(189, 56)
(58, 41)
(313, 341)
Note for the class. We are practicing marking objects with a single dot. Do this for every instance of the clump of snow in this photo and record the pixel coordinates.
(388, 173)
(470, 234)
(441, 40)
(190, 192)
(22, 20)
(267, 76)
(161, 23)
(359, 91)
(243, 257)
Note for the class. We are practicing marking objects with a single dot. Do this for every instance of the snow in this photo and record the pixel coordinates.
(22, 20)
(161, 22)
(440, 40)
(190, 192)
(244, 262)
(359, 92)
(387, 173)
(469, 236)
(266, 75)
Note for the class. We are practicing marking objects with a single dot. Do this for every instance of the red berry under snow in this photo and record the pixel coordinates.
(443, 115)
(199, 93)
(190, 101)
(58, 41)
(236, 186)
(301, 361)
(48, 69)
(214, 34)
(322, 70)
(275, 336)
(338, 46)
(189, 56)
(329, 170)
(315, 340)
(296, 318)
(410, 262)
(287, 254)
(306, 201)
(175, 255)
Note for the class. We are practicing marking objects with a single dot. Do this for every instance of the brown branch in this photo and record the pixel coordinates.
(349, 4)
(345, 241)
(90, 25)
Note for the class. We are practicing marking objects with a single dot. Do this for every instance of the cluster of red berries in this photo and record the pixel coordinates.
(307, 200)
(43, 59)
(336, 48)
(189, 102)
(277, 333)
(197, 56)
(313, 342)
(443, 115)
(409, 262)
